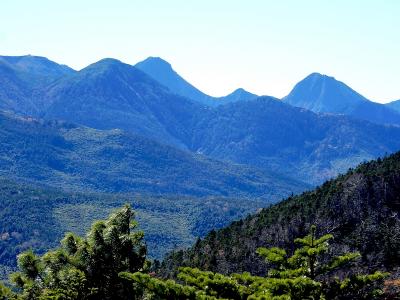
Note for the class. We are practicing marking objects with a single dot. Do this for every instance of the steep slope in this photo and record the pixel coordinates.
(70, 156)
(394, 105)
(110, 94)
(22, 78)
(163, 72)
(361, 209)
(321, 93)
(272, 135)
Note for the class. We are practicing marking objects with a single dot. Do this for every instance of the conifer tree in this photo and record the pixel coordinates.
(86, 268)
(307, 274)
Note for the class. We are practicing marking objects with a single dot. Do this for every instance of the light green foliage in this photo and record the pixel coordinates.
(5, 293)
(307, 274)
(86, 268)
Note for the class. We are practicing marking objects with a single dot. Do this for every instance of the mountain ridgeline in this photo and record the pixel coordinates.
(360, 208)
(163, 72)
(75, 157)
(263, 132)
(321, 93)
(193, 162)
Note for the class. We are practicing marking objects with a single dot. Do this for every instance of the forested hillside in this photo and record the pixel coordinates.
(360, 208)
(273, 135)
(80, 158)
(35, 217)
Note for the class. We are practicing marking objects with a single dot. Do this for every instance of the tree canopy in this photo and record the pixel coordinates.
(110, 263)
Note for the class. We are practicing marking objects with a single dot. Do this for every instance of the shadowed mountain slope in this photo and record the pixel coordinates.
(272, 135)
(70, 156)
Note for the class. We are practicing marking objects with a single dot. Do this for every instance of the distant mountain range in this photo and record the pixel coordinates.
(80, 158)
(272, 135)
(264, 132)
(162, 71)
(321, 93)
(117, 128)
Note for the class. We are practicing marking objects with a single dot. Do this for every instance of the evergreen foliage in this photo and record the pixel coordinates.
(36, 217)
(304, 275)
(86, 268)
(110, 263)
(360, 208)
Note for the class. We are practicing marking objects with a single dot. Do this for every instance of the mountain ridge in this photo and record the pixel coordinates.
(66, 155)
(162, 71)
(322, 93)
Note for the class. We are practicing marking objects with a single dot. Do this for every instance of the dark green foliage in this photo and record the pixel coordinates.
(86, 268)
(361, 209)
(36, 217)
(304, 275)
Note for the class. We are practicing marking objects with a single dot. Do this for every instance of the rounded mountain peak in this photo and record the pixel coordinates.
(155, 63)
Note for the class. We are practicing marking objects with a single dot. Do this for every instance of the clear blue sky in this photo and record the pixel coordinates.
(219, 45)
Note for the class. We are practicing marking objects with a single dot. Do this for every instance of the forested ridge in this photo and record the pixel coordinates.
(360, 208)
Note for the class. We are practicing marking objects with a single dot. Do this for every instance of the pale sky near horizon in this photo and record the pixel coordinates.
(261, 45)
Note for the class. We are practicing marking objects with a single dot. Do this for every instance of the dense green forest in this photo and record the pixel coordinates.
(352, 251)
(110, 263)
(360, 208)
(36, 217)
(74, 157)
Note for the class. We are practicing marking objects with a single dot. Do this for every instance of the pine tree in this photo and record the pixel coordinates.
(86, 268)
(307, 274)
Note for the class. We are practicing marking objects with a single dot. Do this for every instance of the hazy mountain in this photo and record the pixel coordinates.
(33, 68)
(272, 135)
(394, 105)
(162, 71)
(361, 209)
(321, 93)
(237, 95)
(261, 132)
(110, 94)
(81, 158)
(22, 77)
